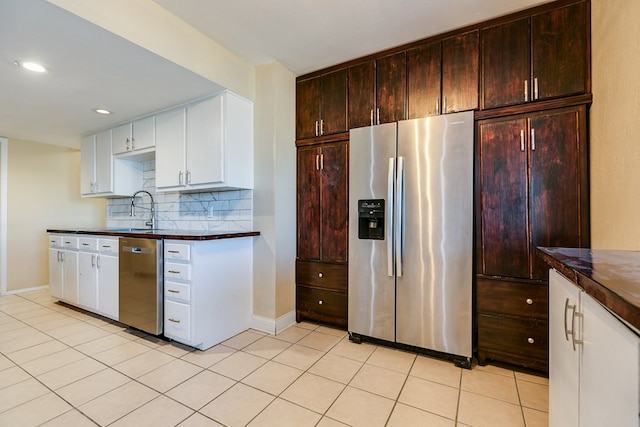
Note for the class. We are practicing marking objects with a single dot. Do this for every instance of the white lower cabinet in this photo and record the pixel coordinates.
(207, 290)
(63, 267)
(594, 374)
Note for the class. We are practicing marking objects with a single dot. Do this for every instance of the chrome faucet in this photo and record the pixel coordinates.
(151, 223)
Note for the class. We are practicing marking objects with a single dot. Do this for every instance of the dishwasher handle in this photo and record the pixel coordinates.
(137, 250)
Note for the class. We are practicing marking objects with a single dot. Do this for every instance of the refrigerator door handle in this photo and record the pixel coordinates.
(391, 177)
(399, 217)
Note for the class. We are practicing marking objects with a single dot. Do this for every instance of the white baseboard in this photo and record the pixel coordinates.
(21, 291)
(273, 326)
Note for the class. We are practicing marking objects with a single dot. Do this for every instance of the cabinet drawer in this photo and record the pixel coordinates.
(173, 270)
(108, 246)
(55, 241)
(177, 251)
(325, 305)
(177, 321)
(521, 338)
(178, 291)
(69, 242)
(323, 275)
(513, 298)
(88, 244)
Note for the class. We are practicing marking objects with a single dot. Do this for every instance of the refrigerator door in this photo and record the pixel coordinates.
(371, 264)
(434, 291)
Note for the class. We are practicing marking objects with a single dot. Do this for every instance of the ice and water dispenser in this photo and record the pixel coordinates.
(371, 219)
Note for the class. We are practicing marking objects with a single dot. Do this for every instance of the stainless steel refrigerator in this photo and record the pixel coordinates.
(410, 233)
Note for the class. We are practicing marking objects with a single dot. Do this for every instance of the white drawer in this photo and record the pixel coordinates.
(179, 291)
(69, 242)
(55, 241)
(108, 246)
(88, 244)
(177, 321)
(173, 270)
(177, 251)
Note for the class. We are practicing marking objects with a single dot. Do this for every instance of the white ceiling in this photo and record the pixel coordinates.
(90, 67)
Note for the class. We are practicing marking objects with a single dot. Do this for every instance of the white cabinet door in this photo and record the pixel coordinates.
(143, 133)
(55, 273)
(205, 156)
(88, 165)
(108, 286)
(121, 138)
(104, 163)
(564, 361)
(609, 371)
(70, 276)
(88, 280)
(170, 149)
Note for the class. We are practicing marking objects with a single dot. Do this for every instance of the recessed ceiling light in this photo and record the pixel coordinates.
(102, 111)
(31, 66)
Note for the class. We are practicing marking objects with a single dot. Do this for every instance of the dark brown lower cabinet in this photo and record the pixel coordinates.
(321, 292)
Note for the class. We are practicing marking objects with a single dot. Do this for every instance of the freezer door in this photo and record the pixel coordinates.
(371, 266)
(434, 291)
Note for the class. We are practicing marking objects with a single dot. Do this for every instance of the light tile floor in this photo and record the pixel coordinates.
(63, 367)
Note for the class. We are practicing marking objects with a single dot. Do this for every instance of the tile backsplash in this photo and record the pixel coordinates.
(209, 210)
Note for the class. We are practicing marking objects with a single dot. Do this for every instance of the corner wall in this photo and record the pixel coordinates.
(615, 125)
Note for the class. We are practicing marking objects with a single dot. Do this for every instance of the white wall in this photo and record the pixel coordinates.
(615, 125)
(43, 191)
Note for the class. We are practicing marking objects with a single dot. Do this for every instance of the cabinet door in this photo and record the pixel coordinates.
(104, 163)
(108, 286)
(506, 64)
(391, 88)
(87, 164)
(564, 361)
(554, 184)
(307, 108)
(143, 133)
(170, 149)
(609, 362)
(333, 95)
(55, 273)
(121, 138)
(424, 73)
(70, 277)
(503, 188)
(88, 280)
(308, 203)
(362, 94)
(334, 202)
(560, 51)
(460, 56)
(205, 139)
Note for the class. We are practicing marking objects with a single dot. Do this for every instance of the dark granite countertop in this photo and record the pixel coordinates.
(158, 233)
(609, 276)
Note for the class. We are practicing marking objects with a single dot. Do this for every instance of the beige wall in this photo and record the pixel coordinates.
(43, 191)
(615, 125)
(274, 195)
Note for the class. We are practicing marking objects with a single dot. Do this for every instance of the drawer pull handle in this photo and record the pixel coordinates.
(320, 274)
(173, 320)
(173, 252)
(85, 244)
(529, 301)
(173, 291)
(531, 340)
(174, 272)
(320, 302)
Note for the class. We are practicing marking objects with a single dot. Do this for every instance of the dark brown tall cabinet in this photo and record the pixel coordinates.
(321, 269)
(532, 191)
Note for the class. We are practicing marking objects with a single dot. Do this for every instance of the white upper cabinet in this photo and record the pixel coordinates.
(134, 137)
(216, 150)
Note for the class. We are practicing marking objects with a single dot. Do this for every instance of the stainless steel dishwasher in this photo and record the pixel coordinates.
(141, 284)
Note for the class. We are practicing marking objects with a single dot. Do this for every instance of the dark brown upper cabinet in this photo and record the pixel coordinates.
(443, 76)
(378, 91)
(535, 58)
(321, 105)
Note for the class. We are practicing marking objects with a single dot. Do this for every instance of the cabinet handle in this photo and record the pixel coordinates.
(59, 256)
(62, 256)
(180, 178)
(575, 341)
(529, 301)
(321, 162)
(320, 275)
(533, 139)
(535, 88)
(106, 246)
(173, 320)
(437, 106)
(127, 144)
(526, 90)
(316, 128)
(567, 307)
(173, 252)
(173, 271)
(133, 143)
(371, 117)
(317, 162)
(173, 291)
(93, 261)
(321, 126)
(97, 261)
(320, 302)
(531, 340)
(85, 244)
(377, 116)
(521, 139)
(188, 177)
